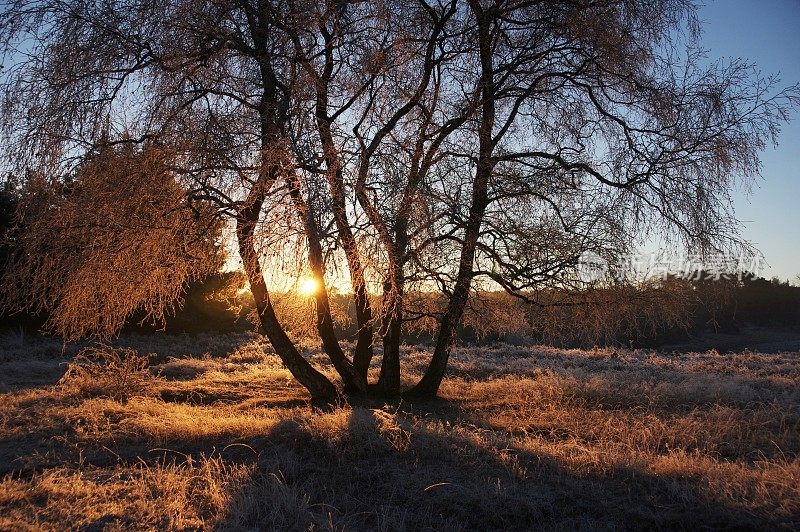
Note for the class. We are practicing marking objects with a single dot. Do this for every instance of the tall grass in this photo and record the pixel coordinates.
(523, 437)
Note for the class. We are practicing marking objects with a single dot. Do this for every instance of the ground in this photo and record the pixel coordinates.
(217, 435)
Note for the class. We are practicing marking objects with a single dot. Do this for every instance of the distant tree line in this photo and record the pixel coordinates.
(648, 314)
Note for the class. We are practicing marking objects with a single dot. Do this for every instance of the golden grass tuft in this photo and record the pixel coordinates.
(106, 371)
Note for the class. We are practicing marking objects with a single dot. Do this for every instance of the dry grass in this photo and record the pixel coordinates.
(523, 437)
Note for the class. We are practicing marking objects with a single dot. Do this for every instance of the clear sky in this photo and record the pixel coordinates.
(766, 32)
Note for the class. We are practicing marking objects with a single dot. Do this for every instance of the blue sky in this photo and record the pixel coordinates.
(768, 33)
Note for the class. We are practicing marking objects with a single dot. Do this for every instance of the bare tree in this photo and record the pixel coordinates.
(597, 132)
(429, 146)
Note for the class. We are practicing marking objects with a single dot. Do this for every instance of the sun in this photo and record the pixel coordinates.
(308, 286)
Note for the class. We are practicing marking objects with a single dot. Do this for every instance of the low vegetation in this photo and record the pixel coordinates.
(222, 437)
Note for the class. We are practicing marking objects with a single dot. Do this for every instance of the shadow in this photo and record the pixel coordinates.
(16, 376)
(426, 465)
(201, 398)
(36, 361)
(756, 339)
(423, 467)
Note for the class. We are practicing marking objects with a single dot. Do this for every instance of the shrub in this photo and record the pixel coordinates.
(105, 371)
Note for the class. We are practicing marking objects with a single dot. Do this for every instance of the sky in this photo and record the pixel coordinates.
(766, 32)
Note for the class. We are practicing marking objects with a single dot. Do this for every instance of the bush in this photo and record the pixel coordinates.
(105, 371)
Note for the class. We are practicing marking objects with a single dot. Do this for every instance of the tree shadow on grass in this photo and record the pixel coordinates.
(390, 471)
(426, 465)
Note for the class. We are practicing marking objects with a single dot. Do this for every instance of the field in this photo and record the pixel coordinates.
(216, 435)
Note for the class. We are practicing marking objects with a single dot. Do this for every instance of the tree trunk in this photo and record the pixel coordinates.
(362, 355)
(321, 389)
(428, 386)
(389, 380)
(353, 385)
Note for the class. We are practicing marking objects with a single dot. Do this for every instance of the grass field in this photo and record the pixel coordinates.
(217, 435)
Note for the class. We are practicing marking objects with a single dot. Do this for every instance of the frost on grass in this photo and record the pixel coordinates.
(106, 371)
(523, 437)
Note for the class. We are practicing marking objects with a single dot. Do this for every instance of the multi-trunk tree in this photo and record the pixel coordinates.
(406, 147)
